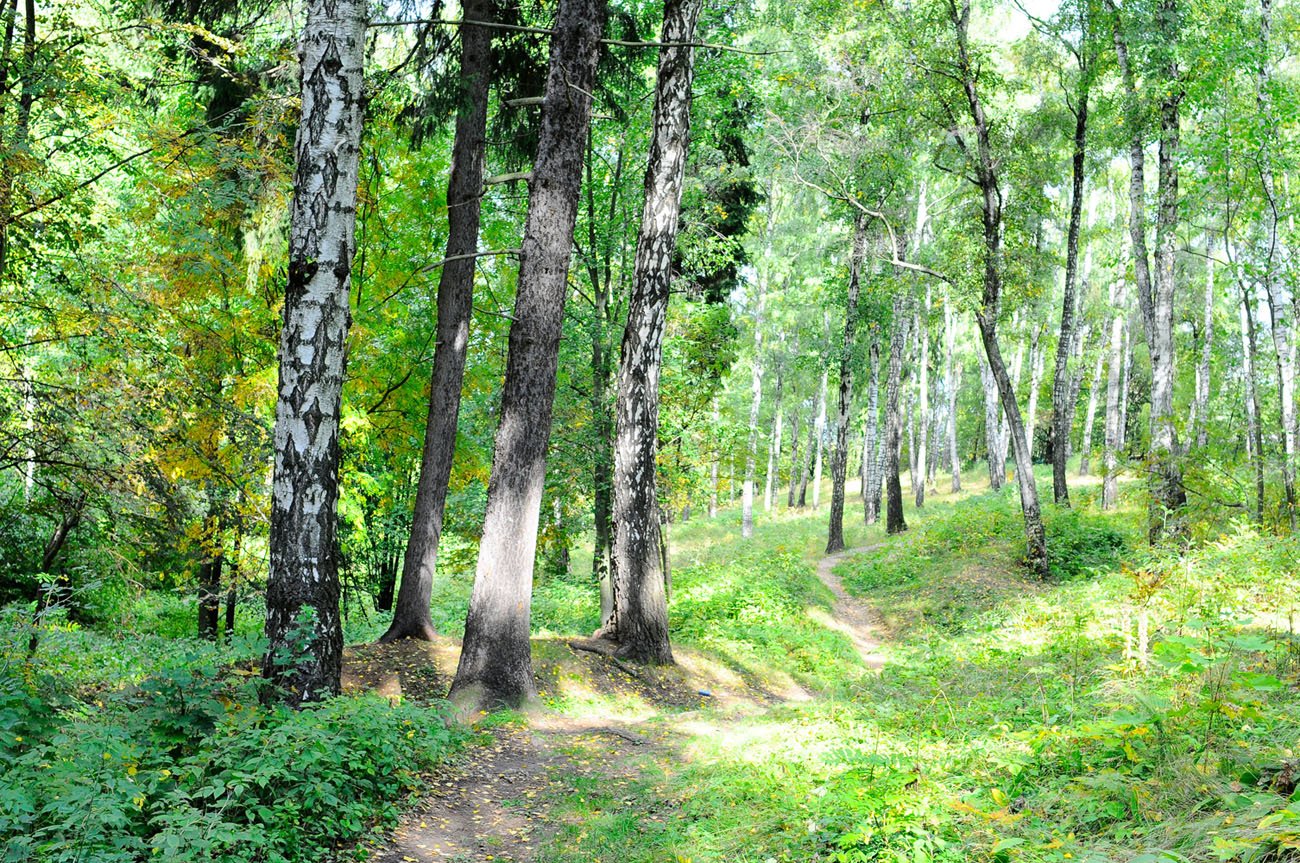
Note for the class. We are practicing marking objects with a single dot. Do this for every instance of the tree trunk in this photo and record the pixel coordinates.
(992, 426)
(1201, 404)
(495, 665)
(794, 457)
(894, 521)
(1114, 402)
(640, 573)
(755, 402)
(922, 457)
(302, 594)
(1035, 383)
(952, 386)
(1062, 403)
(1283, 346)
(806, 467)
(820, 430)
(870, 459)
(1254, 436)
(455, 306)
(987, 315)
(713, 464)
(1094, 389)
(1004, 429)
(774, 443)
(839, 466)
(1157, 307)
(232, 589)
(25, 100)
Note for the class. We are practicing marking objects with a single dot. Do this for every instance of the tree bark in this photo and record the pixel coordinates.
(1201, 404)
(1035, 383)
(992, 426)
(774, 444)
(1157, 306)
(819, 428)
(713, 464)
(1254, 436)
(640, 576)
(1283, 347)
(495, 665)
(806, 467)
(952, 387)
(302, 595)
(894, 521)
(987, 315)
(755, 402)
(794, 457)
(839, 466)
(1114, 425)
(922, 457)
(1094, 389)
(1062, 403)
(411, 617)
(871, 445)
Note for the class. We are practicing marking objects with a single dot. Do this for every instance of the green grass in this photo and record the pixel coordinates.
(1010, 722)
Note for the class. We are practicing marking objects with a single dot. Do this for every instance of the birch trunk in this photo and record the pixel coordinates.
(302, 594)
(806, 466)
(987, 315)
(1062, 403)
(495, 665)
(755, 402)
(820, 430)
(992, 426)
(640, 550)
(1201, 404)
(774, 444)
(794, 457)
(1275, 293)
(894, 521)
(870, 459)
(922, 455)
(1114, 423)
(1085, 445)
(411, 617)
(1254, 436)
(1035, 383)
(839, 467)
(713, 466)
(953, 386)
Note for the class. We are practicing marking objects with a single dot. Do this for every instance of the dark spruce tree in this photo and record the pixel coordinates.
(495, 665)
(411, 618)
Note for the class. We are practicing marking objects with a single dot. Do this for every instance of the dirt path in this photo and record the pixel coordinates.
(850, 615)
(499, 802)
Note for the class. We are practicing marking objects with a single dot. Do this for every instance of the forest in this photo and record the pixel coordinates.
(683, 430)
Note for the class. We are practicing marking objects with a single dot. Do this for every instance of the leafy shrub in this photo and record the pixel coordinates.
(188, 766)
(1080, 544)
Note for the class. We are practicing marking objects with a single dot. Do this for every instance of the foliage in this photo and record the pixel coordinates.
(188, 765)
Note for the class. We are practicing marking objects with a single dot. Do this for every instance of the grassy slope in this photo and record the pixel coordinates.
(1008, 724)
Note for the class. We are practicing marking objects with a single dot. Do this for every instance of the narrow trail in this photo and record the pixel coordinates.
(501, 802)
(850, 616)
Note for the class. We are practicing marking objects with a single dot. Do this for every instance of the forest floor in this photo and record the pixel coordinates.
(500, 801)
(916, 697)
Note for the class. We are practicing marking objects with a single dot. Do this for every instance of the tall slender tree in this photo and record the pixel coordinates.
(840, 463)
(640, 595)
(302, 593)
(411, 617)
(495, 663)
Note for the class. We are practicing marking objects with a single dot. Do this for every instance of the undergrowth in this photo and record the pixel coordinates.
(1138, 706)
(183, 763)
